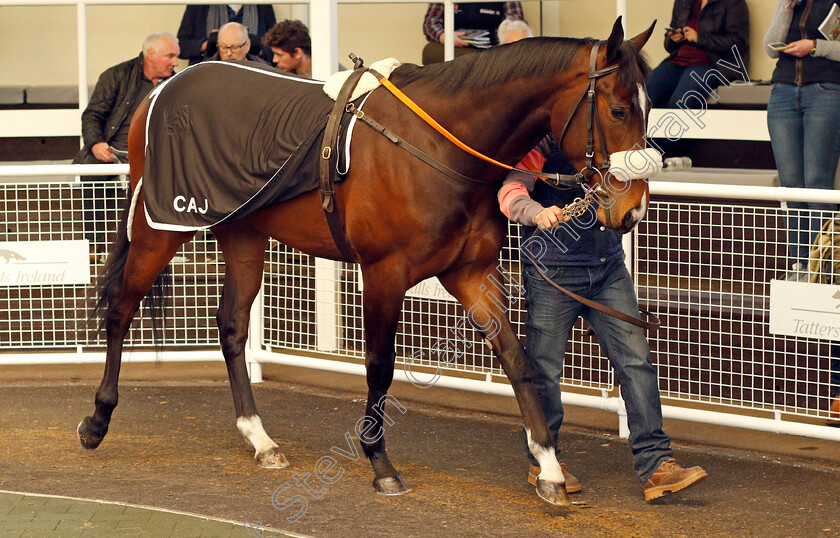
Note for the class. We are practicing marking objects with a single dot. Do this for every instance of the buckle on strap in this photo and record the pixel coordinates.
(565, 181)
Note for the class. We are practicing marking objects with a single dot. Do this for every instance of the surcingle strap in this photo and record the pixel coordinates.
(327, 164)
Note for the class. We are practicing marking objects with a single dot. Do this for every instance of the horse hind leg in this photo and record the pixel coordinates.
(381, 314)
(130, 273)
(244, 251)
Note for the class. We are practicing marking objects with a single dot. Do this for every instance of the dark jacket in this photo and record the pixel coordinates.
(807, 18)
(109, 106)
(193, 30)
(583, 241)
(723, 23)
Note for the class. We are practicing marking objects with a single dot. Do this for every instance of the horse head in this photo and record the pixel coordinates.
(605, 139)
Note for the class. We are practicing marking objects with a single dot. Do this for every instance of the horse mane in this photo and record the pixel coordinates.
(538, 56)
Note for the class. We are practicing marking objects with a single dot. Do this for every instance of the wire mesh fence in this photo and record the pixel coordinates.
(54, 317)
(703, 267)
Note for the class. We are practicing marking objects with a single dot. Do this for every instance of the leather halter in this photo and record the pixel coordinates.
(592, 122)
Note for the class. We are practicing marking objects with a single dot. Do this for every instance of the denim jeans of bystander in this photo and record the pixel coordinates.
(804, 123)
(669, 83)
(551, 315)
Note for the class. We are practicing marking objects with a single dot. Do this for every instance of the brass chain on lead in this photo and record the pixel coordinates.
(579, 205)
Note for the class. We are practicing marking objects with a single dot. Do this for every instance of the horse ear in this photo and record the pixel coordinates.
(615, 40)
(642, 38)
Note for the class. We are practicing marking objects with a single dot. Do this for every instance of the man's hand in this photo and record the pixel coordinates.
(676, 37)
(690, 34)
(101, 152)
(549, 217)
(457, 40)
(800, 48)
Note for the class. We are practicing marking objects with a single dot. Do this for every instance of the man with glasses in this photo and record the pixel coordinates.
(200, 24)
(234, 43)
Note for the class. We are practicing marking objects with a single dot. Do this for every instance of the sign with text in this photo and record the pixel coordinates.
(430, 288)
(805, 309)
(44, 263)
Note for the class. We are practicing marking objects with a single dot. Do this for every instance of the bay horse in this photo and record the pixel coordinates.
(406, 222)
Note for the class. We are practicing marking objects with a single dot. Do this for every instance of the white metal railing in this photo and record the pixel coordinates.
(704, 266)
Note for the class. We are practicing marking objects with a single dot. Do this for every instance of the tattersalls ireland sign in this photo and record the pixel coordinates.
(44, 263)
(805, 309)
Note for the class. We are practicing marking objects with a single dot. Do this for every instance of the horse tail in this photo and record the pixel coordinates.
(109, 282)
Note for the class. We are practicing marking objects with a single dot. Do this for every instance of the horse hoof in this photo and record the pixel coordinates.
(392, 485)
(272, 459)
(88, 438)
(553, 493)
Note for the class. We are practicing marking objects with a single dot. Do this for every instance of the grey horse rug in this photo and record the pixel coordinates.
(224, 139)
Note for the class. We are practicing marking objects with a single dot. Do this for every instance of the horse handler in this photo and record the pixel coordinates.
(584, 257)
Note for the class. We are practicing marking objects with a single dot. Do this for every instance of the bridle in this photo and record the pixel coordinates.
(592, 122)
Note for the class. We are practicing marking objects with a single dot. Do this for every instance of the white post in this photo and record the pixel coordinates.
(621, 11)
(81, 48)
(327, 304)
(627, 245)
(255, 339)
(623, 428)
(324, 34)
(448, 30)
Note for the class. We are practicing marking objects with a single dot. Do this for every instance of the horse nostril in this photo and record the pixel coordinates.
(631, 218)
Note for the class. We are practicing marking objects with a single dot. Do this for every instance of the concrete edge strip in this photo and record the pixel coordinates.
(156, 509)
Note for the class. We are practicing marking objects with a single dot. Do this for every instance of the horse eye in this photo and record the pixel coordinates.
(617, 113)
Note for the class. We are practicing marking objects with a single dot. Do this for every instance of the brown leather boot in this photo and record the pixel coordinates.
(572, 483)
(834, 412)
(670, 478)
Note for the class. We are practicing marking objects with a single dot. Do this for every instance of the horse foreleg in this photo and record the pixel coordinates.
(132, 277)
(381, 314)
(477, 288)
(244, 251)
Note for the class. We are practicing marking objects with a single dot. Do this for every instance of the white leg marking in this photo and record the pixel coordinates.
(549, 468)
(252, 429)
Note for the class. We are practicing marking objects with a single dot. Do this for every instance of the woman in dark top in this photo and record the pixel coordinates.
(803, 115)
(703, 32)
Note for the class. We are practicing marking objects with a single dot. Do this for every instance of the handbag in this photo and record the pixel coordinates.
(824, 259)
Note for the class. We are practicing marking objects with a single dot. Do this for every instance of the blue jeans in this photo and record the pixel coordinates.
(804, 123)
(669, 83)
(551, 315)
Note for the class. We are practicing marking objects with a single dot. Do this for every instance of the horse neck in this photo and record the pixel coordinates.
(506, 121)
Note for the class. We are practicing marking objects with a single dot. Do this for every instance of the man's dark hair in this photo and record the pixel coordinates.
(289, 35)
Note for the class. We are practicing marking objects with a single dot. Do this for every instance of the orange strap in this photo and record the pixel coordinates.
(438, 127)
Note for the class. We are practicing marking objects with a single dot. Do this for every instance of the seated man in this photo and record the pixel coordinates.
(201, 21)
(479, 16)
(105, 121)
(513, 30)
(118, 93)
(234, 43)
(292, 47)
